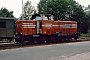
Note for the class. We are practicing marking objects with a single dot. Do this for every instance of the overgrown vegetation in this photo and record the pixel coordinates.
(86, 35)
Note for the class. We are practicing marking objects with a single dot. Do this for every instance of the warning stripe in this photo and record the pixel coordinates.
(29, 26)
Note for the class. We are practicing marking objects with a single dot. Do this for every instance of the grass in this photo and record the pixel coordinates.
(4, 40)
(85, 35)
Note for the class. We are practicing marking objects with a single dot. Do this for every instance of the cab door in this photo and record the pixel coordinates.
(39, 27)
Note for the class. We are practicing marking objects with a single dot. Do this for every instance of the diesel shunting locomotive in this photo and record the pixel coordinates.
(43, 28)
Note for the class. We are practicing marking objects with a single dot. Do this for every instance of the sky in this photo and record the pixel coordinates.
(16, 5)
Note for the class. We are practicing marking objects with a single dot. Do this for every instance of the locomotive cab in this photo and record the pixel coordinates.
(42, 20)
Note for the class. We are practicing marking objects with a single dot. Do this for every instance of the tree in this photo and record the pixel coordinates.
(6, 13)
(87, 10)
(65, 10)
(61, 9)
(29, 10)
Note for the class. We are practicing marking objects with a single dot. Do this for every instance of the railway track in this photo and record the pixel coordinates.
(4, 46)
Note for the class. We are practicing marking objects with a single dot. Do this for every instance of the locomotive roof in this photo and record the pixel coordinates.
(26, 20)
(67, 21)
(6, 18)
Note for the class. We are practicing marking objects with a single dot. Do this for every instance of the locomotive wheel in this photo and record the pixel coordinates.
(63, 39)
(35, 40)
(32, 41)
(20, 41)
(43, 39)
(60, 39)
(75, 38)
(52, 39)
(68, 39)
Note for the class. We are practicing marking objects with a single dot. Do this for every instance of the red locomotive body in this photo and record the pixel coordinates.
(67, 27)
(45, 29)
(26, 27)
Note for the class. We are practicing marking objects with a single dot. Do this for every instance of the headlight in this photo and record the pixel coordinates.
(45, 32)
(20, 33)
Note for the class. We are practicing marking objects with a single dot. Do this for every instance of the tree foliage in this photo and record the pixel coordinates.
(65, 10)
(6, 13)
(87, 10)
(29, 10)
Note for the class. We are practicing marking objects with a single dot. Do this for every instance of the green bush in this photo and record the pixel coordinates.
(85, 35)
